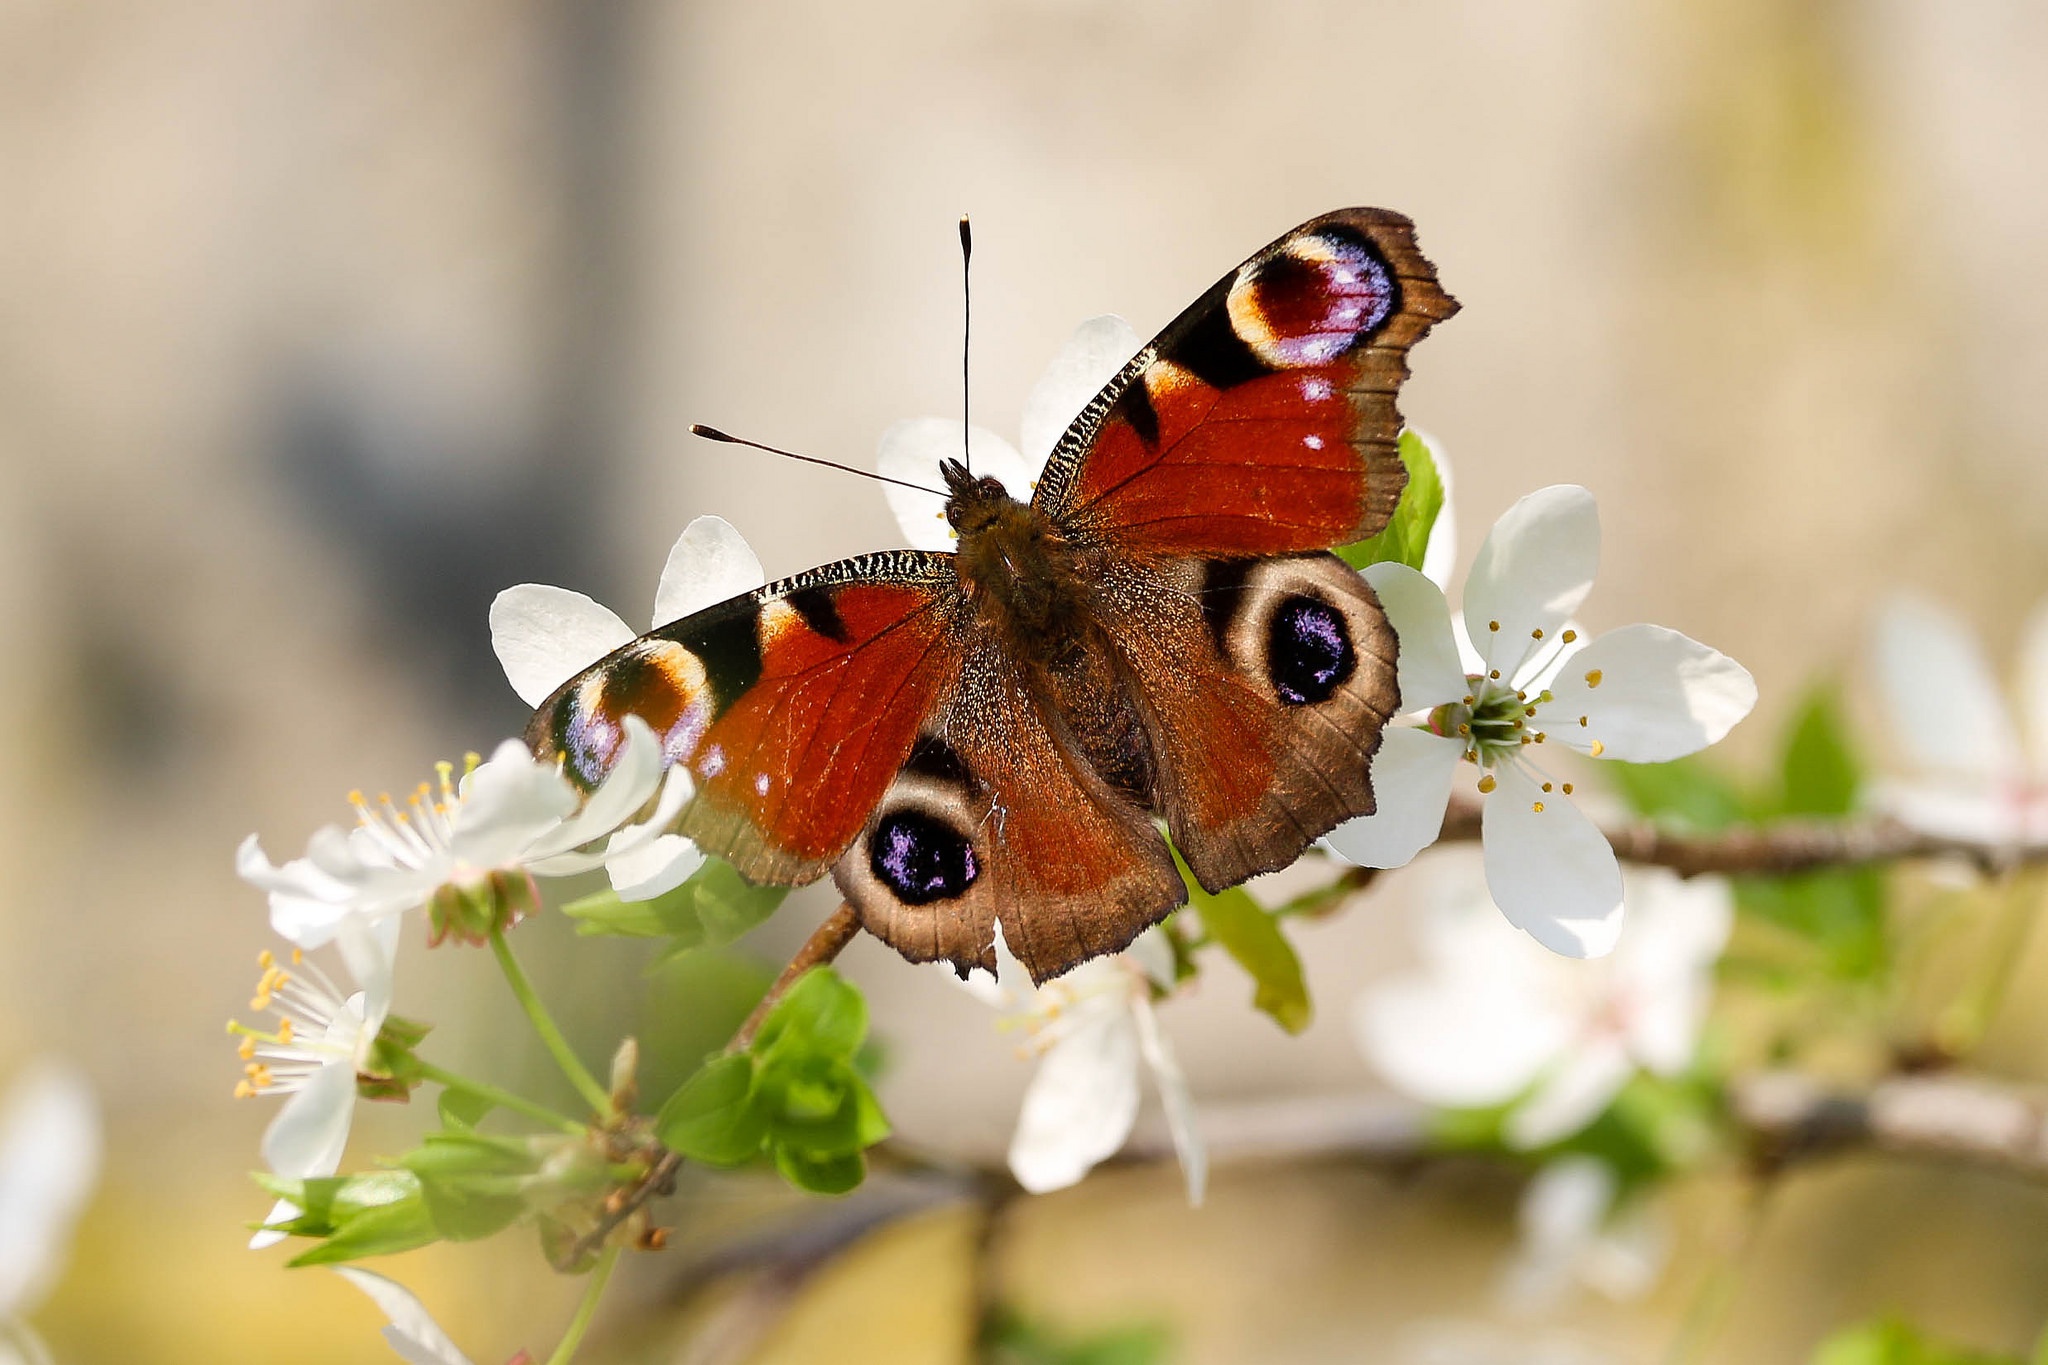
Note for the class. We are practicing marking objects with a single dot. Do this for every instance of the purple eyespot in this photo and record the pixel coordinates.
(1308, 651)
(920, 858)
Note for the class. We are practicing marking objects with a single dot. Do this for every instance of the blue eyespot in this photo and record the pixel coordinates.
(921, 859)
(1308, 651)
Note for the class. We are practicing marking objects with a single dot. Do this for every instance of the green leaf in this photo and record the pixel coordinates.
(1407, 534)
(821, 1013)
(1252, 937)
(821, 1174)
(375, 1214)
(473, 1185)
(716, 1118)
(821, 1107)
(461, 1109)
(711, 909)
(325, 1203)
(1820, 771)
(1010, 1338)
(1891, 1342)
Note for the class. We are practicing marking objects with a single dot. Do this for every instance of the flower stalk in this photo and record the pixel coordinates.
(551, 1036)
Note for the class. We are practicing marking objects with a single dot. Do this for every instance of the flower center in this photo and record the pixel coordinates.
(421, 829)
(1494, 720)
(299, 1036)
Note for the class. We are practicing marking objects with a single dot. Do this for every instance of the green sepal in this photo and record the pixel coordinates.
(1252, 937)
(473, 1185)
(469, 911)
(1406, 537)
(376, 1213)
(462, 1109)
(716, 1117)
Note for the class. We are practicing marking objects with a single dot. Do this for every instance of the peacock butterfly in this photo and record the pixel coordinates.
(1159, 634)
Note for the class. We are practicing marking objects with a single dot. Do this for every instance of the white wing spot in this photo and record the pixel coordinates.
(1312, 442)
(760, 784)
(713, 762)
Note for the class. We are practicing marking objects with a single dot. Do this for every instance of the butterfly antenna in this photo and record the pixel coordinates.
(966, 335)
(714, 434)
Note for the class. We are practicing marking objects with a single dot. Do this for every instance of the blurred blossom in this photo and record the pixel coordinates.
(321, 1041)
(1092, 1028)
(471, 850)
(49, 1163)
(545, 636)
(1492, 1019)
(413, 1333)
(1573, 1233)
(1642, 694)
(1974, 778)
(911, 450)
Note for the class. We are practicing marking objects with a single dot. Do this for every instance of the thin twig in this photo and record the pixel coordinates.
(826, 942)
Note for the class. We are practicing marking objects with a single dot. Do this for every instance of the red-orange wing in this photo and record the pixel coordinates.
(1262, 421)
(793, 706)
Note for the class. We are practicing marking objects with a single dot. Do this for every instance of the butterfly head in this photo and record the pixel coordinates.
(973, 503)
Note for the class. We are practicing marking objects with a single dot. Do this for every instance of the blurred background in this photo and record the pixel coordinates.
(322, 322)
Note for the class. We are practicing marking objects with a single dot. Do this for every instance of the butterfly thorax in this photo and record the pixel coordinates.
(1016, 567)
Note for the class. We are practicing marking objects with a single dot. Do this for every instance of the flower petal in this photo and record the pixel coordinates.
(310, 1131)
(911, 451)
(1095, 354)
(709, 563)
(49, 1162)
(1584, 1083)
(1944, 702)
(1551, 872)
(283, 1211)
(1458, 1041)
(1412, 776)
(654, 868)
(1081, 1104)
(1648, 694)
(370, 948)
(1174, 1099)
(413, 1332)
(545, 636)
(1535, 568)
(636, 773)
(1561, 1212)
(1429, 671)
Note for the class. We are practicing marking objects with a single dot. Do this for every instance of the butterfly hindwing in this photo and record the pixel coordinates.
(793, 706)
(1262, 420)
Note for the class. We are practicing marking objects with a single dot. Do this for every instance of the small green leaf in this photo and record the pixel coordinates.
(1252, 937)
(821, 1013)
(1820, 770)
(473, 1185)
(1688, 792)
(716, 1118)
(821, 1174)
(820, 1106)
(1406, 537)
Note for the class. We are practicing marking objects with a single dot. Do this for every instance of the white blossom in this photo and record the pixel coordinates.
(1093, 1029)
(911, 450)
(313, 1039)
(1491, 1019)
(50, 1145)
(412, 1333)
(1976, 776)
(1643, 694)
(1574, 1231)
(508, 820)
(545, 636)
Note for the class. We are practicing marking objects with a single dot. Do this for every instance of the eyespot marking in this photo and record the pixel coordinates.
(1309, 654)
(1314, 299)
(921, 859)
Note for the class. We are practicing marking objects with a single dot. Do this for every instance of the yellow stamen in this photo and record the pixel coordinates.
(1598, 748)
(298, 956)
(1567, 789)
(1546, 786)
(1493, 625)
(1470, 700)
(247, 1050)
(266, 959)
(1582, 722)
(1569, 636)
(1538, 808)
(1536, 634)
(1539, 736)
(244, 1090)
(1487, 784)
(1593, 678)
(284, 1032)
(1494, 674)
(1521, 696)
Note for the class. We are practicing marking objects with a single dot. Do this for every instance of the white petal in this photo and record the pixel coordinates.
(1440, 557)
(1951, 808)
(911, 451)
(1533, 571)
(1563, 1206)
(1944, 703)
(1430, 672)
(1174, 1099)
(654, 868)
(2033, 686)
(1095, 354)
(310, 1131)
(709, 563)
(1660, 696)
(284, 1210)
(1458, 1042)
(1572, 1096)
(413, 1333)
(1154, 957)
(1081, 1104)
(369, 948)
(49, 1162)
(545, 636)
(1412, 776)
(1551, 872)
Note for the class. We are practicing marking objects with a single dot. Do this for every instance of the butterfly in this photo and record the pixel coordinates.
(1159, 635)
